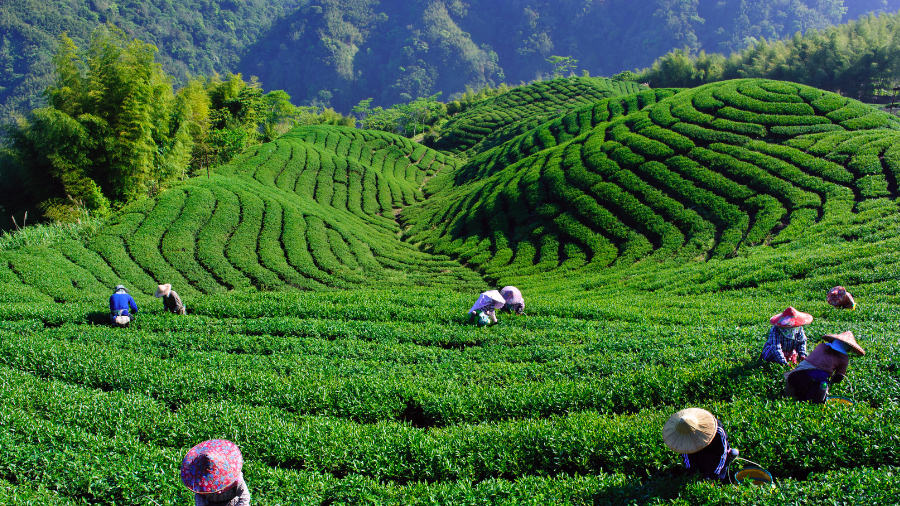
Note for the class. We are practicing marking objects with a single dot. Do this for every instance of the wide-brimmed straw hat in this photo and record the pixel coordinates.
(846, 337)
(211, 466)
(690, 430)
(162, 290)
(790, 318)
(839, 296)
(120, 288)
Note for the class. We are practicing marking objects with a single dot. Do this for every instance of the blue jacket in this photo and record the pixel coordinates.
(121, 302)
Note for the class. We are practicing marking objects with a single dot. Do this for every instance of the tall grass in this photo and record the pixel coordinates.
(47, 234)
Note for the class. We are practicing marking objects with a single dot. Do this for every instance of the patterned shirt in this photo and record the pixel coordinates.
(235, 495)
(782, 342)
(710, 461)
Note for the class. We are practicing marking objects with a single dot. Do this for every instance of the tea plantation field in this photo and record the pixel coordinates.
(327, 276)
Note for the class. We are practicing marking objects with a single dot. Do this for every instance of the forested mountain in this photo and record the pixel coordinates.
(337, 52)
(858, 59)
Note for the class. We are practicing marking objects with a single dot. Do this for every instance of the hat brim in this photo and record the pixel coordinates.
(799, 320)
(163, 290)
(854, 346)
(700, 437)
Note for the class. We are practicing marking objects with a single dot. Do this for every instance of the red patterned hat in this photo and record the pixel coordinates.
(211, 466)
(790, 318)
(839, 296)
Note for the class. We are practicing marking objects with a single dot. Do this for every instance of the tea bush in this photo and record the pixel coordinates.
(738, 141)
(652, 233)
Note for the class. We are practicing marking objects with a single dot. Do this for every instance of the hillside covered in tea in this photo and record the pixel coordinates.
(327, 275)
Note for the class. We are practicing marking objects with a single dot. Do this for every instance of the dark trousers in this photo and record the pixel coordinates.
(807, 385)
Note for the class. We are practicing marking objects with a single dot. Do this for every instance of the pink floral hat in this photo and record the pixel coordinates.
(211, 466)
(790, 318)
(839, 296)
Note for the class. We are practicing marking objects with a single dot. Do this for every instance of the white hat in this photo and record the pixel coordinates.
(163, 290)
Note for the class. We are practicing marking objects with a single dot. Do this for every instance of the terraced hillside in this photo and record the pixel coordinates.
(313, 210)
(702, 174)
(653, 236)
(501, 118)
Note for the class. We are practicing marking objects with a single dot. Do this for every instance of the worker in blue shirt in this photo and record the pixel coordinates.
(119, 304)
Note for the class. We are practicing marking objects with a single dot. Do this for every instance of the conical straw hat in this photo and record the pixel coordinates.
(846, 337)
(790, 318)
(690, 430)
(162, 290)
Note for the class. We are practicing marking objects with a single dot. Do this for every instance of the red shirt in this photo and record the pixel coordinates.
(825, 358)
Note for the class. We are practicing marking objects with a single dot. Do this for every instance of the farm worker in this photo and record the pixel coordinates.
(171, 300)
(826, 364)
(514, 300)
(212, 471)
(787, 341)
(487, 303)
(700, 438)
(839, 297)
(119, 304)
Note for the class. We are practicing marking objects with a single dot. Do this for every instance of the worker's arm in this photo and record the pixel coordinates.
(802, 348)
(841, 370)
(723, 459)
(243, 494)
(132, 304)
(775, 343)
(178, 304)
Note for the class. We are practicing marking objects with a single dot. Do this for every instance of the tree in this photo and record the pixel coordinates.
(407, 119)
(108, 129)
(562, 65)
(362, 110)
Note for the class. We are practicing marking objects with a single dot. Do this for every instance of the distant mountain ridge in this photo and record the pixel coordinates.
(337, 52)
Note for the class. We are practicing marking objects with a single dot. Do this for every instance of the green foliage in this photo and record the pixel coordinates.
(114, 130)
(563, 65)
(720, 179)
(501, 118)
(651, 247)
(854, 58)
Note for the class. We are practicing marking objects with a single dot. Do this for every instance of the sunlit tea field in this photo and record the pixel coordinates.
(327, 277)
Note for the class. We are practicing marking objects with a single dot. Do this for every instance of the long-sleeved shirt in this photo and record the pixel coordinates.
(172, 302)
(121, 301)
(782, 342)
(237, 495)
(710, 461)
(824, 357)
